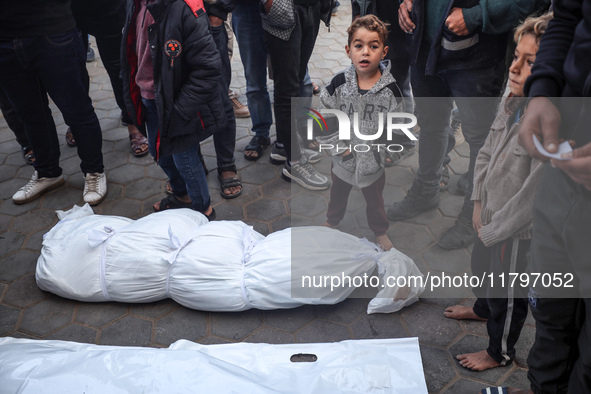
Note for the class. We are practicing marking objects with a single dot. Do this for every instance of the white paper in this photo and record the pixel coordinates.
(562, 148)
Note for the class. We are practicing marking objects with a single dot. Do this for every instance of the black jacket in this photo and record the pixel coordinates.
(187, 79)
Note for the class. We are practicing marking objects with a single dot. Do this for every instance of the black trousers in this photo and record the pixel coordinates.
(289, 60)
(505, 307)
(560, 359)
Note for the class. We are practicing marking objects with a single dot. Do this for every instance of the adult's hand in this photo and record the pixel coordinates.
(455, 22)
(541, 119)
(214, 21)
(406, 24)
(579, 168)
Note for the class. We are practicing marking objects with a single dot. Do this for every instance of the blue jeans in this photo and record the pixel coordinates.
(55, 64)
(224, 140)
(248, 28)
(476, 95)
(184, 170)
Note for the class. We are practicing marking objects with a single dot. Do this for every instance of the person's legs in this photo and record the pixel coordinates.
(192, 172)
(247, 25)
(432, 106)
(61, 66)
(560, 228)
(225, 139)
(29, 100)
(476, 93)
(337, 205)
(508, 307)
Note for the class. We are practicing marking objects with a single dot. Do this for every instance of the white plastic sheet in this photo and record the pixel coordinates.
(217, 266)
(356, 366)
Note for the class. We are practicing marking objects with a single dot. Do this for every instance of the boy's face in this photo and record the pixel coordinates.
(523, 60)
(366, 52)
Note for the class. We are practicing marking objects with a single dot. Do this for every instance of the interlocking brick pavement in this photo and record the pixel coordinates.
(269, 204)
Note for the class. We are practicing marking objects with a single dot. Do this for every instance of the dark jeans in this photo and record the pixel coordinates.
(374, 203)
(289, 60)
(248, 28)
(54, 64)
(184, 170)
(13, 121)
(560, 244)
(474, 92)
(504, 307)
(224, 140)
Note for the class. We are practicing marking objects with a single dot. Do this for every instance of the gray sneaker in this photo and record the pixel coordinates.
(397, 157)
(312, 156)
(36, 187)
(278, 154)
(305, 175)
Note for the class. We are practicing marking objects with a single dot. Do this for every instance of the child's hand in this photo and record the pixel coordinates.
(214, 21)
(345, 153)
(268, 6)
(476, 220)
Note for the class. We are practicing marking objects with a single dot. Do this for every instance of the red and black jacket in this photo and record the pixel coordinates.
(187, 78)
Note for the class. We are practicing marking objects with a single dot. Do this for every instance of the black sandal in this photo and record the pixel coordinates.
(227, 183)
(444, 184)
(171, 202)
(28, 155)
(211, 216)
(257, 144)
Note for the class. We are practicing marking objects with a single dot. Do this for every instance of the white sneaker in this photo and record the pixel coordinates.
(95, 188)
(35, 188)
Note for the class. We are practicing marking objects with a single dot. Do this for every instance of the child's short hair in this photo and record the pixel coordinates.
(371, 23)
(536, 26)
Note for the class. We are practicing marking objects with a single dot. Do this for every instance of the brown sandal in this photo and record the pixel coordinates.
(70, 138)
(137, 140)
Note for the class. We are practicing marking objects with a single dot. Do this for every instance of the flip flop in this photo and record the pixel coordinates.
(171, 202)
(70, 138)
(137, 140)
(28, 155)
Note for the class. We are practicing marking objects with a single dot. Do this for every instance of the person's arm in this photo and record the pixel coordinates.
(516, 214)
(202, 86)
(541, 117)
(500, 16)
(329, 101)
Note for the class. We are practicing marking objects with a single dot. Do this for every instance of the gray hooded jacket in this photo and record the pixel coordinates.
(360, 168)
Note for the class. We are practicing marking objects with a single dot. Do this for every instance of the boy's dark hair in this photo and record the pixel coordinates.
(371, 23)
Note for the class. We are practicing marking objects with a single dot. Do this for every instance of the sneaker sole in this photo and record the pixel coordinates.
(287, 176)
(52, 187)
(276, 161)
(92, 204)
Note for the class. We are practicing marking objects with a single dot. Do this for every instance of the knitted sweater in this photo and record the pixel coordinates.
(505, 179)
(360, 168)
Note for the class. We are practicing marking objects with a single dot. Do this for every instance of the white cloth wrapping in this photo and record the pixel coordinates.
(217, 266)
(390, 366)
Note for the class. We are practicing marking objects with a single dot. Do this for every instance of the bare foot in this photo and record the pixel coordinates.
(461, 312)
(328, 225)
(384, 242)
(479, 361)
(251, 153)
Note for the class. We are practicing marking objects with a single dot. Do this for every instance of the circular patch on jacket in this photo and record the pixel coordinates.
(173, 48)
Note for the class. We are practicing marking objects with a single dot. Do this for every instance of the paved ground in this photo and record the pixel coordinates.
(136, 183)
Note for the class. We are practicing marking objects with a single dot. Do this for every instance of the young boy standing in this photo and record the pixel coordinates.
(505, 179)
(171, 73)
(366, 88)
